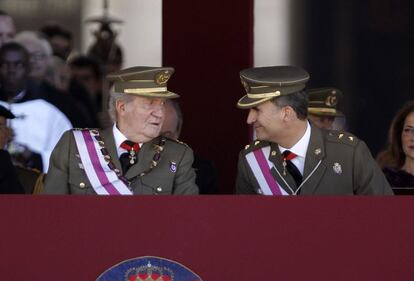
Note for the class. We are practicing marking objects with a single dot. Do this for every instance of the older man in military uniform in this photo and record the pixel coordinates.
(130, 157)
(291, 156)
(322, 107)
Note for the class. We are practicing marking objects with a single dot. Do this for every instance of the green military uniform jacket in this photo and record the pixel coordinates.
(336, 163)
(67, 176)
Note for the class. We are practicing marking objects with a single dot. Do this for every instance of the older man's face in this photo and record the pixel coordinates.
(38, 60)
(7, 29)
(140, 120)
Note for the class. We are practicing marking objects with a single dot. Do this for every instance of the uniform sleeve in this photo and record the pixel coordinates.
(243, 185)
(368, 177)
(57, 175)
(184, 182)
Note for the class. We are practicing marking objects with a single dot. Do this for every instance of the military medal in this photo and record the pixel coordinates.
(337, 168)
(132, 156)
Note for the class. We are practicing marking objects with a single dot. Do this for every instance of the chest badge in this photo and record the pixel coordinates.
(173, 167)
(337, 168)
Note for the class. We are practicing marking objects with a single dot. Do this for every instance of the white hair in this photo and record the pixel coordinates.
(30, 37)
(113, 98)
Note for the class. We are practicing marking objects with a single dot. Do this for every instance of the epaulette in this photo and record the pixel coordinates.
(256, 144)
(81, 129)
(342, 137)
(176, 140)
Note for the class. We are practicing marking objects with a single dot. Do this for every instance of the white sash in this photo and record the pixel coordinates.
(103, 179)
(261, 167)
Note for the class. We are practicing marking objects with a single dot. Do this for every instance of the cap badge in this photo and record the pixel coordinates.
(162, 77)
(331, 100)
(318, 151)
(337, 168)
(173, 167)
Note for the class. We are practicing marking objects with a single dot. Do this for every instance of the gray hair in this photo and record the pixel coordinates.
(298, 101)
(30, 37)
(113, 98)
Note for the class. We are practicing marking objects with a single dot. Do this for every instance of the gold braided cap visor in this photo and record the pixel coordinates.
(154, 92)
(261, 94)
(324, 111)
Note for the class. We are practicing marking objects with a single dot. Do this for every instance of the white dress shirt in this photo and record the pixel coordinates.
(119, 139)
(300, 149)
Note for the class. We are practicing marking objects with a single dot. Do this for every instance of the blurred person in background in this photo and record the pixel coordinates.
(87, 72)
(38, 124)
(9, 183)
(397, 160)
(15, 179)
(7, 28)
(206, 173)
(60, 40)
(38, 85)
(322, 107)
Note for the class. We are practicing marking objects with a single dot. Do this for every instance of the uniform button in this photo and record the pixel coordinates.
(82, 185)
(159, 189)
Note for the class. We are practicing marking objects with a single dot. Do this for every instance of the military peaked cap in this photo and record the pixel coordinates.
(324, 101)
(143, 81)
(265, 83)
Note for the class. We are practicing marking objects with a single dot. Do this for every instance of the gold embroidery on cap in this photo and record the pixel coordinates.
(162, 77)
(331, 100)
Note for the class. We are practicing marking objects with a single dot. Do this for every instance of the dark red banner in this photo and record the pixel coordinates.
(218, 237)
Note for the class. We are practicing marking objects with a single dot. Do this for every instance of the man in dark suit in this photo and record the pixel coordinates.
(291, 156)
(130, 157)
(206, 173)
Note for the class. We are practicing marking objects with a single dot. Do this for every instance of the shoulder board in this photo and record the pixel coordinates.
(256, 144)
(176, 141)
(28, 169)
(341, 137)
(81, 129)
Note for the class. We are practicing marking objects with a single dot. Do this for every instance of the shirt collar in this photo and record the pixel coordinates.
(119, 138)
(301, 146)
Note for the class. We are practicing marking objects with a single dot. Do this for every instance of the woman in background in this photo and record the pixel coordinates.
(397, 160)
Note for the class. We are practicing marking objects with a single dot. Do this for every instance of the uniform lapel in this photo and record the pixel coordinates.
(286, 182)
(108, 138)
(145, 156)
(314, 156)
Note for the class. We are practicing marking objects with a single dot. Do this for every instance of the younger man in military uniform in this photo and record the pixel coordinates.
(130, 157)
(322, 106)
(291, 156)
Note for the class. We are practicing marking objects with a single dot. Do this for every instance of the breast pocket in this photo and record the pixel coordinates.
(156, 185)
